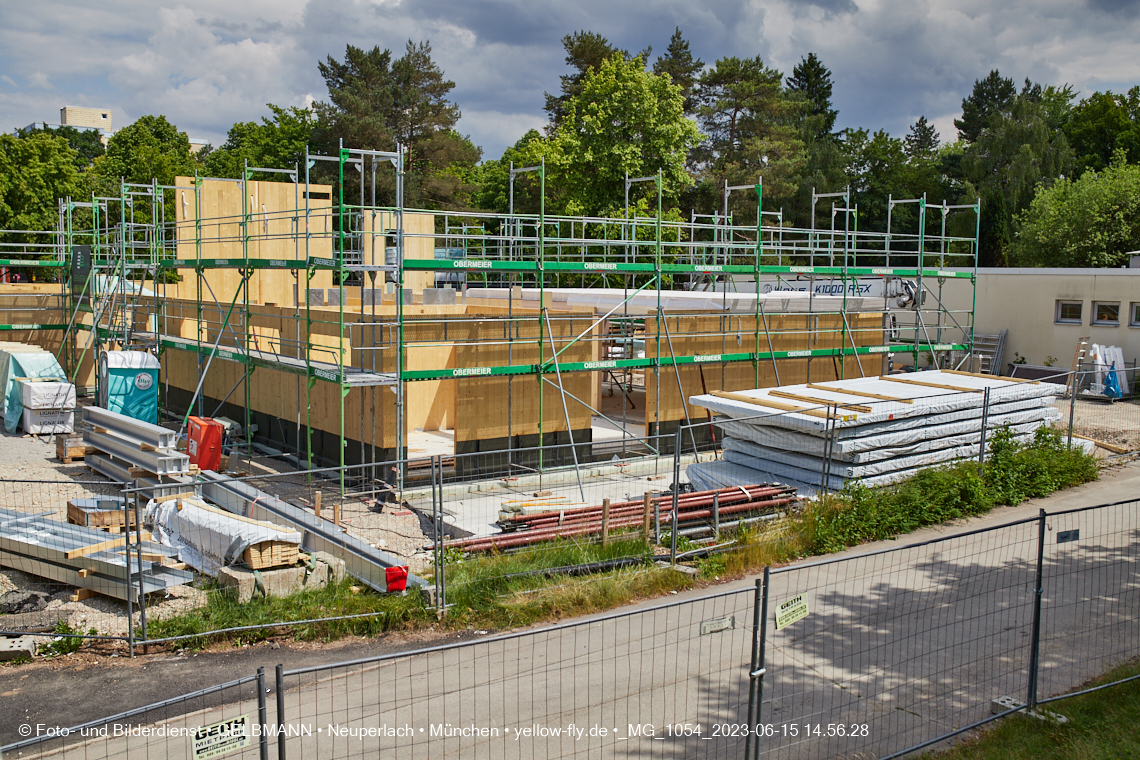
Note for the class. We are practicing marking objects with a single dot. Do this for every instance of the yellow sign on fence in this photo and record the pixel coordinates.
(792, 610)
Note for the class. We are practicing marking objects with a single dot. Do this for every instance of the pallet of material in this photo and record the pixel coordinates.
(271, 554)
(102, 514)
(69, 448)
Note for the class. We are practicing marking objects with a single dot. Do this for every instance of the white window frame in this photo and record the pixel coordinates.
(1134, 314)
(1105, 323)
(1057, 319)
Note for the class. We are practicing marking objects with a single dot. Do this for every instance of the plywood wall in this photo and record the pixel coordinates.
(278, 229)
(498, 407)
(419, 243)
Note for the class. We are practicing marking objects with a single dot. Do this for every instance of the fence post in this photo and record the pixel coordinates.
(676, 497)
(1035, 639)
(647, 507)
(1073, 404)
(716, 515)
(127, 577)
(756, 672)
(605, 522)
(263, 741)
(279, 697)
(985, 419)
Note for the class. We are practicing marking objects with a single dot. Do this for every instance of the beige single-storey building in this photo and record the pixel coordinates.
(1048, 311)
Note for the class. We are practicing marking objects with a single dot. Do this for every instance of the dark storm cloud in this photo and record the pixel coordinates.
(209, 63)
(1127, 8)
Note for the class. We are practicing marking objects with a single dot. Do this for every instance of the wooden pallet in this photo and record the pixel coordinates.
(110, 520)
(69, 448)
(271, 554)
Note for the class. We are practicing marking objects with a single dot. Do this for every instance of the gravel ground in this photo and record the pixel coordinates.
(1117, 422)
(35, 482)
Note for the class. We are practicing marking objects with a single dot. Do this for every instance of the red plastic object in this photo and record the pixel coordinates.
(204, 443)
(396, 578)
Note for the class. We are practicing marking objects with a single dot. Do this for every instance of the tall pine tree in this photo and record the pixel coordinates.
(682, 68)
(811, 81)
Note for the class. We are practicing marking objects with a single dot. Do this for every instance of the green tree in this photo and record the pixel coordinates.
(87, 143)
(376, 103)
(493, 178)
(624, 119)
(811, 81)
(994, 94)
(276, 143)
(682, 68)
(922, 140)
(149, 149)
(1093, 221)
(1017, 153)
(748, 120)
(585, 52)
(1100, 125)
(35, 171)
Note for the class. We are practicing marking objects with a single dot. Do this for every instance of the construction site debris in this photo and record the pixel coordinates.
(17, 602)
(82, 557)
(702, 507)
(210, 539)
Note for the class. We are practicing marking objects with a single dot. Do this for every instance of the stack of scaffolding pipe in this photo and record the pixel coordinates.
(878, 430)
(584, 521)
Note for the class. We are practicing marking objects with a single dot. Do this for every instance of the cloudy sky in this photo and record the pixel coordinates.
(208, 63)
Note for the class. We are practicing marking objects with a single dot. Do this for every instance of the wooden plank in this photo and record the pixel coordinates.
(897, 379)
(863, 394)
(989, 377)
(813, 400)
(93, 548)
(773, 404)
(83, 593)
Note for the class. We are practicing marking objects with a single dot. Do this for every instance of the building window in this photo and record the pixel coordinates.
(1134, 315)
(1106, 313)
(1069, 313)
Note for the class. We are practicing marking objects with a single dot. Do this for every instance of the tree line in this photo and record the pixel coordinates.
(1055, 174)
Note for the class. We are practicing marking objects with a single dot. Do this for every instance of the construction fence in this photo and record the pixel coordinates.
(873, 655)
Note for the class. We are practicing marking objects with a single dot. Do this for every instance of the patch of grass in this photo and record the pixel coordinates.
(508, 590)
(1102, 726)
(223, 611)
(68, 643)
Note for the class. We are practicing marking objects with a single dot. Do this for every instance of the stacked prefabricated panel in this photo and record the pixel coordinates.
(878, 429)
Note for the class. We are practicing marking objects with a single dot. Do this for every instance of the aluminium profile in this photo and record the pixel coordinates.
(156, 436)
(158, 462)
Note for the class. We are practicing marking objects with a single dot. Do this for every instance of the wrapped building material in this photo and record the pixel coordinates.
(208, 538)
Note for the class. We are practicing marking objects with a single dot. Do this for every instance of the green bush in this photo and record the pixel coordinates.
(1012, 473)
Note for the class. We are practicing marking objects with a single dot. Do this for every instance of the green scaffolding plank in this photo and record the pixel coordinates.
(8, 328)
(31, 263)
(239, 263)
(529, 369)
(431, 265)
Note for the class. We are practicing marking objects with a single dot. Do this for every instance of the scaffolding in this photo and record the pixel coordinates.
(513, 272)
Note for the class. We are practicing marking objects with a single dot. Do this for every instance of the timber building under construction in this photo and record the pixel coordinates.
(337, 332)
